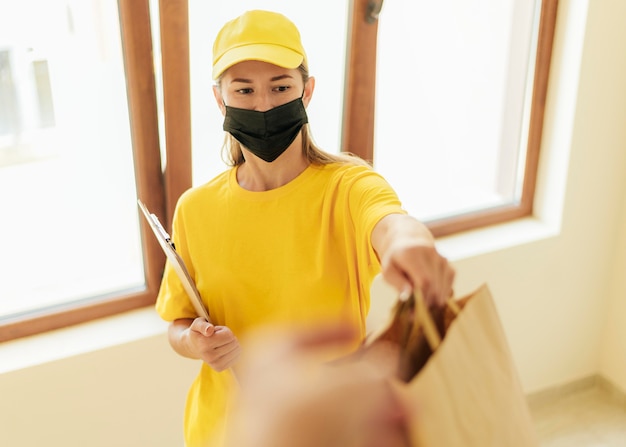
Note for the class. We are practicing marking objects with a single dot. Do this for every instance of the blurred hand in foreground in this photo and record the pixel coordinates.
(289, 396)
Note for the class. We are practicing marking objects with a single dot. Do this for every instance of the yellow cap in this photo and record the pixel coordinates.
(261, 36)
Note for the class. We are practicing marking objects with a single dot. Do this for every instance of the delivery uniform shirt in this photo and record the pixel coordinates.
(298, 254)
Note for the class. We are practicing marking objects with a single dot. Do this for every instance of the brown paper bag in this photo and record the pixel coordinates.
(456, 375)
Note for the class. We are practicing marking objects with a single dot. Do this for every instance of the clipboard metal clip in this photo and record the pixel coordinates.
(162, 231)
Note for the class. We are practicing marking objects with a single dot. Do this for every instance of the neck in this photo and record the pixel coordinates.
(256, 174)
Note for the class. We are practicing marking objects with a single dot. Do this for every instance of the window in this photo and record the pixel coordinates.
(459, 89)
(71, 235)
(83, 132)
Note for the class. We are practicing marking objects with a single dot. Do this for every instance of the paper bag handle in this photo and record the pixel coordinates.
(424, 319)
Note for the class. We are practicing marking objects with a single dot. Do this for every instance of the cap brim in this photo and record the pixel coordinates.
(273, 54)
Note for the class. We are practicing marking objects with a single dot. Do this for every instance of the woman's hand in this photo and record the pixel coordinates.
(409, 259)
(217, 346)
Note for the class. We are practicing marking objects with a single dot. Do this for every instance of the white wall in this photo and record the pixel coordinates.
(128, 395)
(607, 106)
(613, 362)
(561, 297)
(556, 294)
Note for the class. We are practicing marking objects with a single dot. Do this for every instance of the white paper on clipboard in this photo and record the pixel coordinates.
(176, 261)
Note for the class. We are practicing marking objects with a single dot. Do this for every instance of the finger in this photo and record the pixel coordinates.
(431, 290)
(405, 293)
(228, 359)
(446, 279)
(203, 327)
(438, 288)
(223, 342)
(223, 336)
(450, 282)
(209, 329)
(223, 357)
(396, 278)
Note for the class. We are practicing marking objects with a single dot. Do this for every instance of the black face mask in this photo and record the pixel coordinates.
(266, 134)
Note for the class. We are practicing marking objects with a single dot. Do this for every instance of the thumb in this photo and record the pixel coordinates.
(400, 282)
(208, 329)
(405, 292)
(203, 327)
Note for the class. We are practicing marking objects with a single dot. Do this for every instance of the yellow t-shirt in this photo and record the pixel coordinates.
(298, 254)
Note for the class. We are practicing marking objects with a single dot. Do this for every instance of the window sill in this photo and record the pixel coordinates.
(88, 337)
(495, 238)
(144, 323)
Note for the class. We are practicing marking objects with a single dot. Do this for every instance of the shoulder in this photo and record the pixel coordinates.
(346, 172)
(213, 188)
(199, 201)
(348, 175)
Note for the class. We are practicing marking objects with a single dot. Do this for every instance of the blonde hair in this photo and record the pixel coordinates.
(233, 155)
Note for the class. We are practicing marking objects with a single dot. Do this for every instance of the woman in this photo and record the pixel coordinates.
(290, 235)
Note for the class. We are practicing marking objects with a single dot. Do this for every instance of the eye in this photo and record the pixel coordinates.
(282, 88)
(244, 91)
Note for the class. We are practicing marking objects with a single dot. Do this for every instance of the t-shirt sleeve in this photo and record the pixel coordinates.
(371, 198)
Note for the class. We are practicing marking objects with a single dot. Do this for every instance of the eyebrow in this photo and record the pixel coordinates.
(275, 78)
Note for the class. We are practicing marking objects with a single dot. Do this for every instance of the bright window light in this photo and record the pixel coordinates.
(451, 102)
(68, 215)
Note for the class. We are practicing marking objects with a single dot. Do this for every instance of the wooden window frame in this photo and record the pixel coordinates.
(159, 185)
(359, 110)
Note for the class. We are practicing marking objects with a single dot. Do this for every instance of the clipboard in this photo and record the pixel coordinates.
(176, 261)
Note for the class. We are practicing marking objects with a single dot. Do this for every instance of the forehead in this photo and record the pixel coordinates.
(258, 71)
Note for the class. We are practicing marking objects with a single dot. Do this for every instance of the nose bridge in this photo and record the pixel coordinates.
(264, 101)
